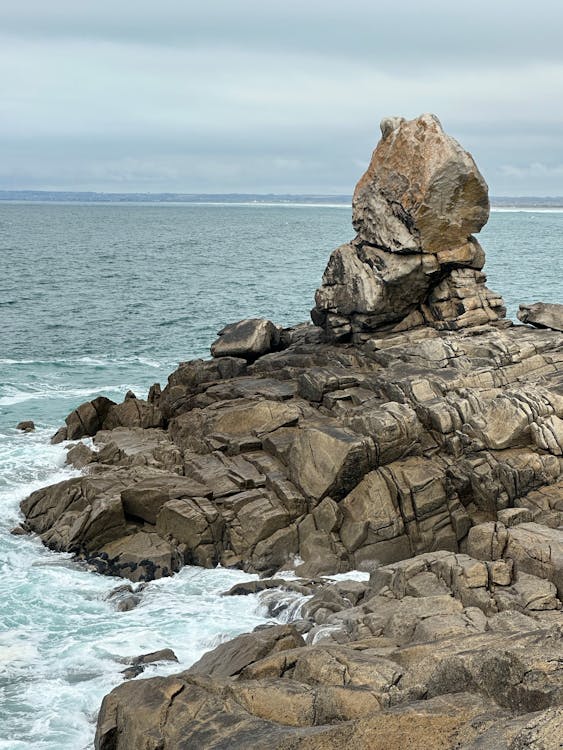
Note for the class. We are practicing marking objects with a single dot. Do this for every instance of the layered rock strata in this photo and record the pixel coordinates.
(338, 455)
(412, 433)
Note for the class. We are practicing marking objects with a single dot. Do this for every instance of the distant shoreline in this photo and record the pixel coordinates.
(247, 199)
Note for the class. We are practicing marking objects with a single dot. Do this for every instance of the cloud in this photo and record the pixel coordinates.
(533, 170)
(271, 96)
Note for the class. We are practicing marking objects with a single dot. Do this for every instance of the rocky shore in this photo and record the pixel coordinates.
(411, 432)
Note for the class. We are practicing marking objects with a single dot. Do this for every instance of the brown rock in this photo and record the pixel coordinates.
(26, 426)
(88, 418)
(429, 187)
(414, 260)
(328, 460)
(248, 339)
(232, 657)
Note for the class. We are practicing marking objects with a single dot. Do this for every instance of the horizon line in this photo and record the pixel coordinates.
(227, 194)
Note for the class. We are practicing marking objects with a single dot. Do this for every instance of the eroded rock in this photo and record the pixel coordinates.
(414, 260)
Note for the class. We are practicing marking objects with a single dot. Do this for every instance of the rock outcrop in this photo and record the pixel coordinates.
(414, 259)
(412, 433)
(439, 651)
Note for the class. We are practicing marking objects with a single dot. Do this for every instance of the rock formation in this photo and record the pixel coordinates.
(412, 432)
(414, 259)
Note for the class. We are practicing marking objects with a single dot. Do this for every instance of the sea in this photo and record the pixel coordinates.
(102, 298)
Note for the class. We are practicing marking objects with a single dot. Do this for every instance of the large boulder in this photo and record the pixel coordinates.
(87, 418)
(414, 260)
(542, 315)
(248, 339)
(421, 191)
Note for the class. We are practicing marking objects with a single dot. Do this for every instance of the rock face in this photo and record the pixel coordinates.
(414, 259)
(542, 315)
(411, 433)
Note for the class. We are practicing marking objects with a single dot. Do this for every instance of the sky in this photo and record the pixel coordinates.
(272, 96)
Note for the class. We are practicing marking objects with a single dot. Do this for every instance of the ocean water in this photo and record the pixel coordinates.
(103, 298)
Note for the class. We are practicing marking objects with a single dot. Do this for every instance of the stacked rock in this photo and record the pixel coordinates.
(414, 260)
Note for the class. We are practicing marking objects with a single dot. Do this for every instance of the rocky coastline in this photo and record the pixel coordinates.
(411, 432)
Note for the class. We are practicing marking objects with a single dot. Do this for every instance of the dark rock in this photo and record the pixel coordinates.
(164, 654)
(26, 426)
(59, 436)
(125, 597)
(88, 418)
(138, 663)
(19, 531)
(154, 393)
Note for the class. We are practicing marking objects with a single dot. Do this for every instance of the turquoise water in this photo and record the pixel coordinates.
(106, 298)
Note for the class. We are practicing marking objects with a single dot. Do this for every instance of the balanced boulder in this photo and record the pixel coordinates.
(414, 260)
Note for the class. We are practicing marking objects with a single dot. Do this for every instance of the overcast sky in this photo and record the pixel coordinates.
(272, 95)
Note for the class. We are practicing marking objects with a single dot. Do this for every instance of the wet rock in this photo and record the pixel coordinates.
(140, 556)
(139, 663)
(26, 426)
(125, 597)
(19, 531)
(59, 436)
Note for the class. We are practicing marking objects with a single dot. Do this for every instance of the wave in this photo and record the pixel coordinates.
(527, 209)
(91, 361)
(17, 396)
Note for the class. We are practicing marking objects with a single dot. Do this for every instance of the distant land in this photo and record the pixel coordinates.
(344, 200)
(91, 197)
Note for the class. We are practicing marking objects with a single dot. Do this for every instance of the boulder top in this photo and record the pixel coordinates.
(424, 179)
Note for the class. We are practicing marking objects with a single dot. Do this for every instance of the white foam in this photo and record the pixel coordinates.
(62, 642)
(351, 575)
(45, 391)
(527, 209)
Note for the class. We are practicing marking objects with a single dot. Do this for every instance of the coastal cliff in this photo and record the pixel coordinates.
(411, 432)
